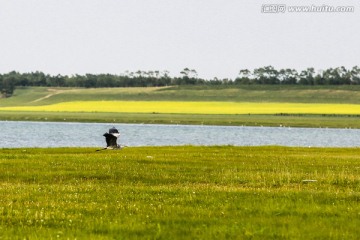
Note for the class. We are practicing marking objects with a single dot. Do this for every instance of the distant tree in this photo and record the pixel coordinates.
(288, 76)
(90, 80)
(319, 79)
(215, 81)
(355, 75)
(306, 77)
(79, 80)
(164, 79)
(55, 81)
(1, 86)
(157, 74)
(293, 76)
(37, 78)
(7, 86)
(266, 75)
(189, 76)
(244, 77)
(337, 76)
(226, 81)
(344, 74)
(263, 75)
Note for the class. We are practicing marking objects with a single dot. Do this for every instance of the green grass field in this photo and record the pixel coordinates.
(33, 96)
(185, 192)
(211, 119)
(315, 106)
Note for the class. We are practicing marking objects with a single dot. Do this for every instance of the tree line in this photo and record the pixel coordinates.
(263, 75)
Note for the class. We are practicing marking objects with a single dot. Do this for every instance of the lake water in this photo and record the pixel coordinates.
(15, 134)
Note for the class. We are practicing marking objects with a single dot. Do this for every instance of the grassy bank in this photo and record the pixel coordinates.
(180, 193)
(33, 96)
(253, 105)
(331, 121)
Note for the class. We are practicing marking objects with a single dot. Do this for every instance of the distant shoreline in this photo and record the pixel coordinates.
(320, 99)
(286, 120)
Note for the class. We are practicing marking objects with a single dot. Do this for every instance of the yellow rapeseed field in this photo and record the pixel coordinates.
(192, 107)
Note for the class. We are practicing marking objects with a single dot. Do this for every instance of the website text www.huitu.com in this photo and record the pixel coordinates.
(283, 8)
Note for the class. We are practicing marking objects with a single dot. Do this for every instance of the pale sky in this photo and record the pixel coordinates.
(217, 38)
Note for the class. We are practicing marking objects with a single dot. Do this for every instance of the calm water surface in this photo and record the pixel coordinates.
(56, 134)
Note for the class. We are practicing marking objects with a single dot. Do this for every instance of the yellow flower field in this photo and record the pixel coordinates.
(192, 107)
